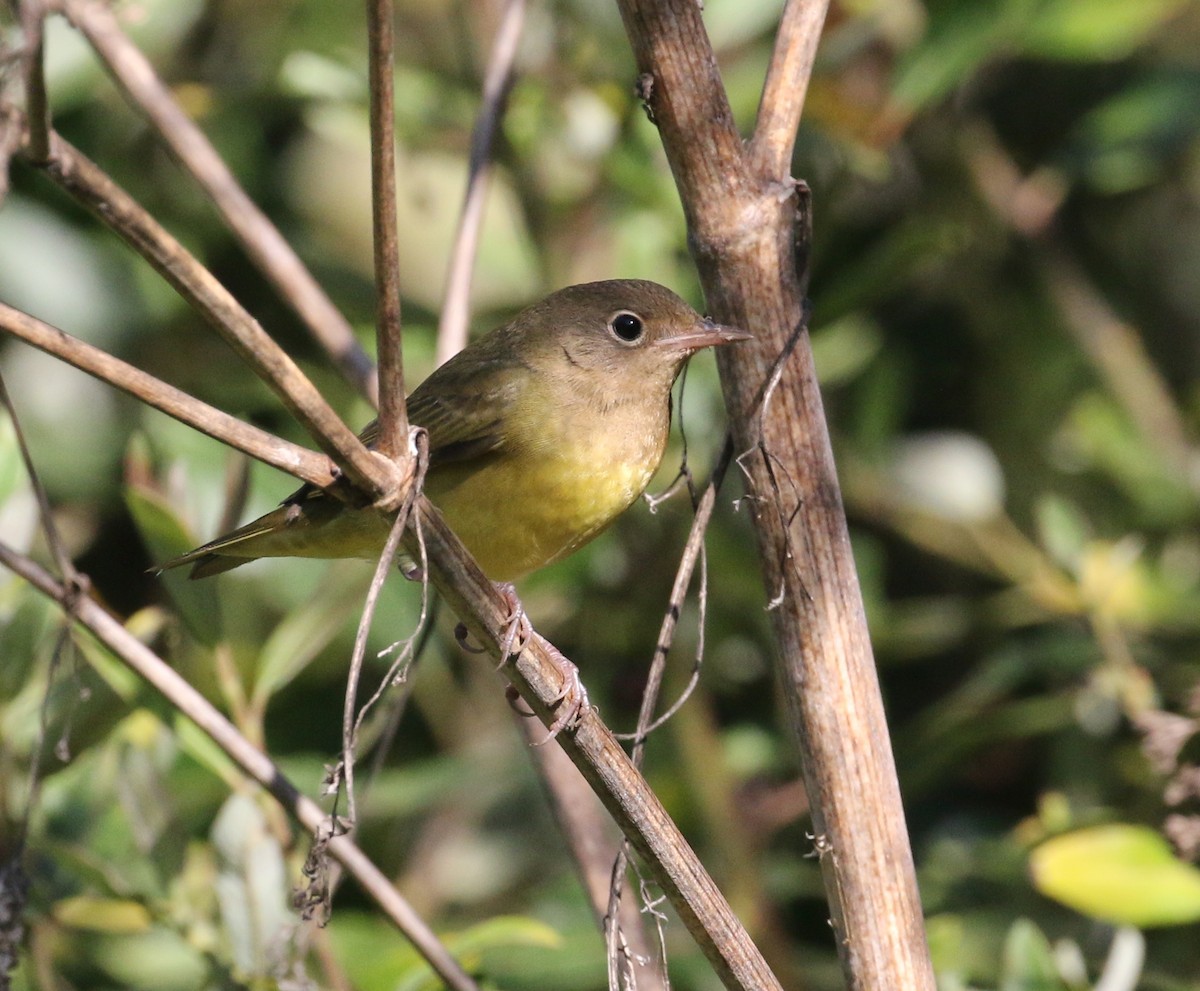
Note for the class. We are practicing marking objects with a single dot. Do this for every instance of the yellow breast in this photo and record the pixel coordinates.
(571, 474)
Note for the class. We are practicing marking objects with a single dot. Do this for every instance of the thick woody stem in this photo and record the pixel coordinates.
(743, 216)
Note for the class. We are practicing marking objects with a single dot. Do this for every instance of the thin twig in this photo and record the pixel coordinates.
(253, 762)
(786, 87)
(58, 550)
(393, 415)
(352, 719)
(262, 241)
(306, 465)
(452, 327)
(72, 582)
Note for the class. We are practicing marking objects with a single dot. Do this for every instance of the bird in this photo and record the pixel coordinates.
(541, 433)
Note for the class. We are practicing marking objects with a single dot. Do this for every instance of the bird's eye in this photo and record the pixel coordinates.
(627, 326)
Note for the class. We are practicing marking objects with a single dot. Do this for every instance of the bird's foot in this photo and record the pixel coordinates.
(572, 699)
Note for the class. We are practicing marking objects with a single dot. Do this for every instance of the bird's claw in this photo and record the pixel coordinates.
(517, 629)
(572, 700)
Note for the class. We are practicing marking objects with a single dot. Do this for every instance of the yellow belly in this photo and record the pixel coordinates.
(517, 517)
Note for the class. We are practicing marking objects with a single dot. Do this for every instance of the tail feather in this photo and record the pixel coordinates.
(215, 564)
(214, 558)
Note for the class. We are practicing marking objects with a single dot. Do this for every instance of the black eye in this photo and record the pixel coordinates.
(627, 326)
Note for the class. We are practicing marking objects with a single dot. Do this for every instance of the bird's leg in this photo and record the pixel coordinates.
(518, 633)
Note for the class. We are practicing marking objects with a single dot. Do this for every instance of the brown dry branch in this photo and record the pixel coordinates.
(614, 930)
(604, 764)
(743, 217)
(299, 461)
(594, 844)
(266, 247)
(87, 183)
(393, 413)
(253, 762)
(598, 755)
(37, 105)
(497, 80)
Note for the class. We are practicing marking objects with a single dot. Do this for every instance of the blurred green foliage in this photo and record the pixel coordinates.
(1007, 321)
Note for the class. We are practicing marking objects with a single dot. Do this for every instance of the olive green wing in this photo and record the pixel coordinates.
(464, 406)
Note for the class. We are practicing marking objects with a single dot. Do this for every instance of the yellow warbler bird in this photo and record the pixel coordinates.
(540, 433)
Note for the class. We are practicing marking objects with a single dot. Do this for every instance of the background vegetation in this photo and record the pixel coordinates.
(1007, 235)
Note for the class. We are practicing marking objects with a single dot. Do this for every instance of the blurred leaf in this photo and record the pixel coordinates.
(251, 885)
(1101, 435)
(18, 507)
(157, 960)
(110, 915)
(470, 945)
(1123, 874)
(735, 22)
(964, 36)
(301, 635)
(961, 36)
(1029, 960)
(124, 682)
(206, 752)
(430, 186)
(1063, 531)
(841, 350)
(1127, 141)
(375, 958)
(27, 623)
(1095, 29)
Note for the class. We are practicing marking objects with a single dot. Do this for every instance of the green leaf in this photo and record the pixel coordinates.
(167, 536)
(1118, 873)
(373, 959)
(303, 634)
(1131, 139)
(251, 885)
(1095, 29)
(959, 41)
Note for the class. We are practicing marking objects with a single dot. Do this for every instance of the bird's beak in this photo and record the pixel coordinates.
(708, 334)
